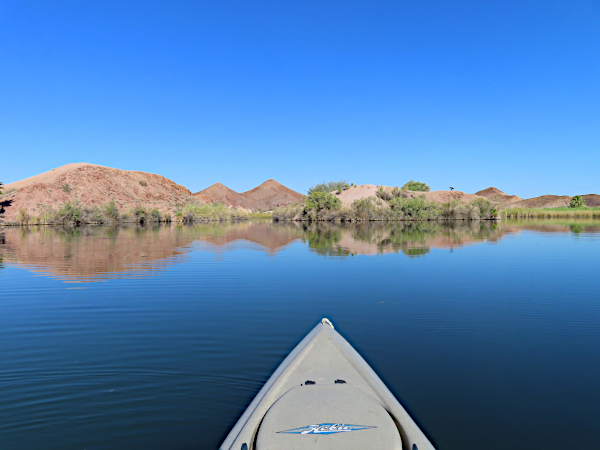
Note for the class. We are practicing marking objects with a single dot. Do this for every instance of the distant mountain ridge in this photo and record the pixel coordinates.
(265, 196)
(543, 201)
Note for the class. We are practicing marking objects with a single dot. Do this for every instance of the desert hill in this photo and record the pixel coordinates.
(555, 201)
(219, 193)
(359, 192)
(272, 194)
(92, 185)
(268, 195)
(496, 195)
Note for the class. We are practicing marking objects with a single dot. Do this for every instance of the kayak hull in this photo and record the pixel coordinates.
(323, 359)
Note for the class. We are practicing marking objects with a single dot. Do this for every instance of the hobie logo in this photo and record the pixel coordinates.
(326, 428)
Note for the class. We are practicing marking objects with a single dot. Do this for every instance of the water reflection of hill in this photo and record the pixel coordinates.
(93, 253)
(270, 237)
(99, 253)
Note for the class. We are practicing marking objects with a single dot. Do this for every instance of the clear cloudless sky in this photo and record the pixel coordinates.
(468, 94)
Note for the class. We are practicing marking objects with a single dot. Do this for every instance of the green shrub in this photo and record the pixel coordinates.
(66, 188)
(318, 201)
(364, 209)
(416, 208)
(416, 186)
(384, 194)
(1, 184)
(328, 186)
(577, 202)
(111, 211)
(23, 216)
(139, 213)
(155, 215)
(289, 212)
(46, 215)
(68, 214)
(143, 183)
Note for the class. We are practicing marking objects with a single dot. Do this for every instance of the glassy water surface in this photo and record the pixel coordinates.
(159, 337)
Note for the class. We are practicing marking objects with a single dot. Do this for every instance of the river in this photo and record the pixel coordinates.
(159, 337)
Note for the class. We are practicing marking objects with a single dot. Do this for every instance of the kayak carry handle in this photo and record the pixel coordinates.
(325, 321)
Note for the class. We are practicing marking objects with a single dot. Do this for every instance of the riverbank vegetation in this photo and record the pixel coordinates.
(75, 214)
(385, 206)
(329, 186)
(552, 213)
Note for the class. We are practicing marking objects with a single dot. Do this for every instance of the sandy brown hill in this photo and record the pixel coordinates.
(92, 185)
(359, 192)
(271, 194)
(268, 195)
(496, 195)
(544, 201)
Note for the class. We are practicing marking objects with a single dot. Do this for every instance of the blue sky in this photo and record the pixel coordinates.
(468, 94)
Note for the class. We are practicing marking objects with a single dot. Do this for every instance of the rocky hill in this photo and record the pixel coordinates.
(555, 201)
(359, 192)
(92, 185)
(219, 193)
(268, 195)
(271, 194)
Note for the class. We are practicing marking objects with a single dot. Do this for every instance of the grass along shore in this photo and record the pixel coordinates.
(552, 213)
(75, 214)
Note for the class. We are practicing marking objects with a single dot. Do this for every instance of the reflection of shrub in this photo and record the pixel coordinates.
(415, 252)
(577, 228)
(577, 202)
(324, 241)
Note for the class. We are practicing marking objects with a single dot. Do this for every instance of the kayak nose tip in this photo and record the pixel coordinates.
(325, 321)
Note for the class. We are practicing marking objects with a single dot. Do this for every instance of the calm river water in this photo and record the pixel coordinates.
(159, 337)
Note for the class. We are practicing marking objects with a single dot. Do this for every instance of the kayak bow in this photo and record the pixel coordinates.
(325, 396)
